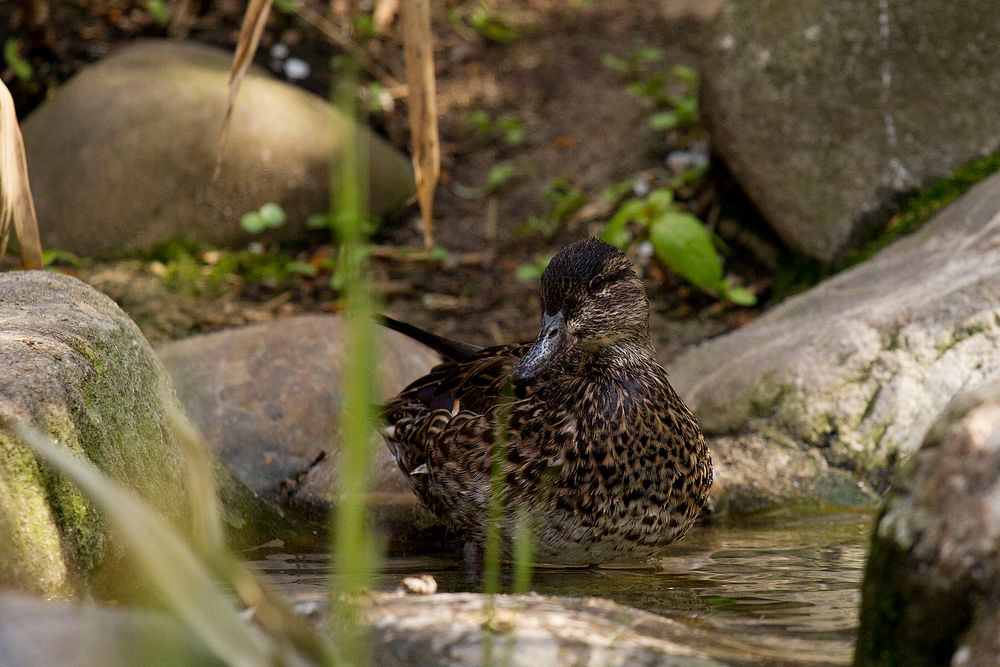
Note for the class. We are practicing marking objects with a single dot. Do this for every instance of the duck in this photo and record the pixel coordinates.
(598, 455)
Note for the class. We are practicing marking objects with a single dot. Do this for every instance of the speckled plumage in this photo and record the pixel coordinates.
(601, 454)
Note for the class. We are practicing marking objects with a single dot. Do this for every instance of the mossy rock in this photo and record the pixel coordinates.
(931, 592)
(78, 369)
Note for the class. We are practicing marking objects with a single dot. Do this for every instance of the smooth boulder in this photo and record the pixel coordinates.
(266, 398)
(823, 395)
(827, 112)
(121, 157)
(931, 593)
(77, 368)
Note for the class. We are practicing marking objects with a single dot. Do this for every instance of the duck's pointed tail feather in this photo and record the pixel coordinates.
(454, 350)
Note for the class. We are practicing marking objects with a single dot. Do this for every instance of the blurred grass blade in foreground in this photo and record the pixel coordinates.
(270, 609)
(246, 46)
(17, 209)
(422, 104)
(183, 582)
(356, 552)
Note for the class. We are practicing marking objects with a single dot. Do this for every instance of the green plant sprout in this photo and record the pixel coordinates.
(268, 216)
(674, 92)
(507, 126)
(564, 200)
(15, 61)
(486, 20)
(680, 240)
(533, 270)
(159, 11)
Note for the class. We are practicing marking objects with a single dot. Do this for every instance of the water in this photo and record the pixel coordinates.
(780, 590)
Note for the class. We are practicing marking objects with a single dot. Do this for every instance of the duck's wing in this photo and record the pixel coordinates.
(474, 384)
(454, 350)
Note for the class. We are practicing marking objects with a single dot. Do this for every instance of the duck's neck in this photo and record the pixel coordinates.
(624, 353)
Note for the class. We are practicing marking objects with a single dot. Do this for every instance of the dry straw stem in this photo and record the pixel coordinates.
(419, 52)
(246, 46)
(17, 209)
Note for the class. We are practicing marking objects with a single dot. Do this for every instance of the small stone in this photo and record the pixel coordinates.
(279, 51)
(296, 69)
(423, 584)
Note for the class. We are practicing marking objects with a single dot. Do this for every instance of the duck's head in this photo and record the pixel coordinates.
(591, 298)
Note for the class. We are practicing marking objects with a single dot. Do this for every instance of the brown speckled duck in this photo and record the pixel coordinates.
(601, 456)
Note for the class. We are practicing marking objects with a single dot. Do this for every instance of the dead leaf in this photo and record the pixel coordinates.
(246, 46)
(17, 208)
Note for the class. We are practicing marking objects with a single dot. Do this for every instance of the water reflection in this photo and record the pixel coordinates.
(784, 590)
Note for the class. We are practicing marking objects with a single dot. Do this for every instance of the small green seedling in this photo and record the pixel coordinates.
(507, 126)
(268, 216)
(533, 270)
(680, 240)
(12, 56)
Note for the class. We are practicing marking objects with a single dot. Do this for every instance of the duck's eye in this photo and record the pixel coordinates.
(598, 283)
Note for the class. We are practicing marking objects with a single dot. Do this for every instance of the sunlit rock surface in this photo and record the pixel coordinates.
(932, 586)
(826, 112)
(834, 386)
(267, 400)
(77, 368)
(121, 157)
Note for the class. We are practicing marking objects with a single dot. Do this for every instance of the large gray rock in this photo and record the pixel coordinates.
(931, 594)
(825, 112)
(75, 366)
(267, 399)
(848, 376)
(121, 157)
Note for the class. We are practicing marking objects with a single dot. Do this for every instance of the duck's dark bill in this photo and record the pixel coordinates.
(549, 345)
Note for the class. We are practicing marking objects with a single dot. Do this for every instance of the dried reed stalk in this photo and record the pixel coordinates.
(246, 46)
(419, 55)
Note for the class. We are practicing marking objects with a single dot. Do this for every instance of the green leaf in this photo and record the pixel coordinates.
(659, 200)
(527, 272)
(685, 75)
(500, 174)
(301, 268)
(650, 54)
(253, 222)
(159, 11)
(318, 221)
(272, 214)
(684, 244)
(12, 56)
(741, 296)
(663, 120)
(612, 61)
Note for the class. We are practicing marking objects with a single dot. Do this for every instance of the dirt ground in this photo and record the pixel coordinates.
(577, 120)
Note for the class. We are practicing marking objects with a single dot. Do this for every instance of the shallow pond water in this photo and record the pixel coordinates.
(778, 590)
